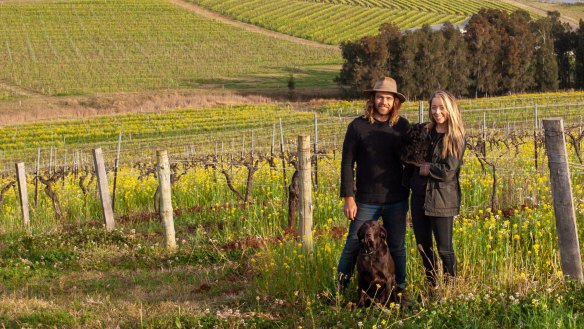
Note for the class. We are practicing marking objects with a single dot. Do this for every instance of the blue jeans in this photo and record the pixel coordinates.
(394, 221)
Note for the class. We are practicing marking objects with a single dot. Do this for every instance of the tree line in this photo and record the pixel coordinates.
(497, 53)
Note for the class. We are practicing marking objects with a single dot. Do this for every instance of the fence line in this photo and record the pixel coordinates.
(236, 156)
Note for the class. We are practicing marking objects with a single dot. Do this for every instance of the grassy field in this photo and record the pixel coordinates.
(335, 21)
(59, 48)
(237, 265)
(180, 130)
(84, 47)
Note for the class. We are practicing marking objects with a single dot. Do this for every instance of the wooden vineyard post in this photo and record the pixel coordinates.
(103, 189)
(535, 129)
(555, 146)
(51, 161)
(243, 146)
(304, 168)
(420, 112)
(36, 178)
(484, 135)
(273, 140)
(166, 214)
(23, 193)
(315, 151)
(251, 153)
(282, 150)
(116, 165)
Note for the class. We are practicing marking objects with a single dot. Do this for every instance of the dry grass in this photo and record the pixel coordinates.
(15, 305)
(569, 13)
(94, 299)
(40, 108)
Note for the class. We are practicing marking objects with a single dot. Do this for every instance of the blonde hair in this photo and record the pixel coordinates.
(369, 110)
(453, 140)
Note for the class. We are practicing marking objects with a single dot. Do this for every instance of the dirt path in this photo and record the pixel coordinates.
(249, 27)
(532, 8)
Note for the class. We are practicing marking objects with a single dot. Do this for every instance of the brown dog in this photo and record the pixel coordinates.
(375, 267)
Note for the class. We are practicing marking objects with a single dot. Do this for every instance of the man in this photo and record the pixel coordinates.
(374, 189)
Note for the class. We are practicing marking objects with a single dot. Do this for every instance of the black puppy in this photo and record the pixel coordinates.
(415, 146)
(375, 267)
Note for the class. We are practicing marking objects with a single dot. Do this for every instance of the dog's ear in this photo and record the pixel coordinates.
(408, 136)
(382, 232)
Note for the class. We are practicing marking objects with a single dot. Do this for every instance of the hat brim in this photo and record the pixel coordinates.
(399, 95)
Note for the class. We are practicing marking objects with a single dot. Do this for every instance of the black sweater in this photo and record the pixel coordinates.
(375, 149)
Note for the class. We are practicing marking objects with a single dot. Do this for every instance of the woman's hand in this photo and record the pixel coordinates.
(425, 169)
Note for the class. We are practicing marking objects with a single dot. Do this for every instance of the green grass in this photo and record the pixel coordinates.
(237, 264)
(335, 21)
(82, 47)
(173, 125)
(126, 278)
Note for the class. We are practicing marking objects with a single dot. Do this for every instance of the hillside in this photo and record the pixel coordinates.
(76, 48)
(79, 58)
(571, 13)
(335, 21)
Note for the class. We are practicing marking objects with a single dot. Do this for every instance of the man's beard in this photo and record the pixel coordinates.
(386, 110)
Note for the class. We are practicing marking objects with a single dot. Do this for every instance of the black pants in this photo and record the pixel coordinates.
(441, 227)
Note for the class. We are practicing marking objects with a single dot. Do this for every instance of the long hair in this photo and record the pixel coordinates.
(369, 110)
(453, 140)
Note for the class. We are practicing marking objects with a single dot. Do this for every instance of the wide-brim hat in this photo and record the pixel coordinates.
(386, 84)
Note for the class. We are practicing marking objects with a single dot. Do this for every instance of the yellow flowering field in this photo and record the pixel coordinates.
(242, 262)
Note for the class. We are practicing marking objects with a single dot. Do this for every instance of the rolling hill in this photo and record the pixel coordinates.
(82, 47)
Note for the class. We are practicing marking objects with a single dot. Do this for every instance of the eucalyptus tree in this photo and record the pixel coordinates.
(484, 44)
(455, 50)
(544, 61)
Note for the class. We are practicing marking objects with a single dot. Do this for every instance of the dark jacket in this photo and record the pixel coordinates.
(443, 194)
(374, 149)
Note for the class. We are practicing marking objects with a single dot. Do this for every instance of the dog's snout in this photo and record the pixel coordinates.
(371, 240)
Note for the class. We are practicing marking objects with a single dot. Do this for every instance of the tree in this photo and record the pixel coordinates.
(431, 72)
(367, 59)
(407, 65)
(564, 49)
(428, 61)
(502, 47)
(545, 63)
(457, 65)
(517, 48)
(484, 44)
(579, 56)
(391, 36)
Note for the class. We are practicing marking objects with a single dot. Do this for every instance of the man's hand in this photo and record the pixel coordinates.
(350, 208)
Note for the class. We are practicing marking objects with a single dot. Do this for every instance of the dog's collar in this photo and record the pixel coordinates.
(366, 251)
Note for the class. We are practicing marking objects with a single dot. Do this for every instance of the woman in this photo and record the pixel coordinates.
(435, 185)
